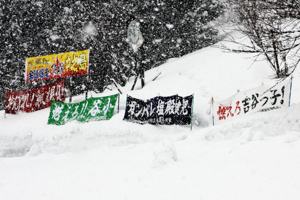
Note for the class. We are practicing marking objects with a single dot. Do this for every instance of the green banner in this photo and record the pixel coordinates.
(100, 108)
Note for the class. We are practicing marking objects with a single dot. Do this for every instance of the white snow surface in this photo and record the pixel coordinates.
(253, 157)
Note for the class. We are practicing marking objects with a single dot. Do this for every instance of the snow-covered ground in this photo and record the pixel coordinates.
(253, 157)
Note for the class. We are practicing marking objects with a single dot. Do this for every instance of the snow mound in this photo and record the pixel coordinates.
(256, 156)
(206, 73)
(259, 126)
(164, 154)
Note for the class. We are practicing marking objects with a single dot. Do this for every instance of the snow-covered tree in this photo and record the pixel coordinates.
(273, 27)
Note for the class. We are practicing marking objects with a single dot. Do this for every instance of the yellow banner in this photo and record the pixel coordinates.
(57, 66)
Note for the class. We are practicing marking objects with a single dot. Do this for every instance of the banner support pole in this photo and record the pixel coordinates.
(192, 113)
(4, 101)
(87, 88)
(70, 90)
(211, 110)
(87, 85)
(119, 103)
(291, 85)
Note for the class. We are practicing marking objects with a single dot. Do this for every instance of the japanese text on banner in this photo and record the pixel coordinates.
(160, 110)
(57, 66)
(101, 108)
(33, 99)
(255, 100)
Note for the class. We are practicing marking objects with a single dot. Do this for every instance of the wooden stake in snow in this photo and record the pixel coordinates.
(212, 111)
(156, 76)
(192, 112)
(291, 85)
(119, 103)
(116, 85)
(4, 100)
(70, 90)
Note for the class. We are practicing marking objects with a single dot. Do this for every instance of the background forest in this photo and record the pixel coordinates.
(170, 28)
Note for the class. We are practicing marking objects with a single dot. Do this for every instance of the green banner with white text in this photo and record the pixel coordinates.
(99, 108)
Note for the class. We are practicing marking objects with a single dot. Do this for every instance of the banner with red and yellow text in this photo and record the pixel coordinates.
(57, 66)
(33, 99)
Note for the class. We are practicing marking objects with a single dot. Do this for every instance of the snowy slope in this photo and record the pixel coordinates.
(254, 157)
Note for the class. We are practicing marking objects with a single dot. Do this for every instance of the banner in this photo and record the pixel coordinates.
(160, 110)
(33, 99)
(260, 99)
(57, 66)
(101, 108)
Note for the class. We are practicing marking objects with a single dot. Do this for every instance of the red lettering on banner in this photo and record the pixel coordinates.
(225, 112)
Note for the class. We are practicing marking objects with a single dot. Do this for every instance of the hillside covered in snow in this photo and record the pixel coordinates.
(256, 156)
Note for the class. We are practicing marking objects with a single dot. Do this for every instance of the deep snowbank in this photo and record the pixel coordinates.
(253, 157)
(257, 157)
(207, 73)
